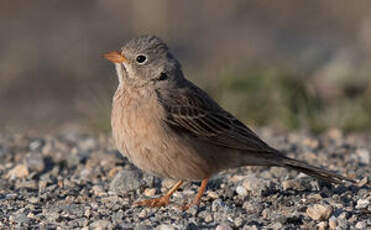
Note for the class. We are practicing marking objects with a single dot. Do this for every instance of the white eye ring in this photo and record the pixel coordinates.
(141, 59)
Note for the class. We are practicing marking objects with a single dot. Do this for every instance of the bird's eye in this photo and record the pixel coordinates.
(141, 59)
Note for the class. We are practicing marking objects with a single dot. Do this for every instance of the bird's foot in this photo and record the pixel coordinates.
(156, 202)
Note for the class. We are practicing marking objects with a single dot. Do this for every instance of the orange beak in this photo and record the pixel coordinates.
(115, 57)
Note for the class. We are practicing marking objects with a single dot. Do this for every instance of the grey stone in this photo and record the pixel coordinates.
(101, 225)
(165, 227)
(319, 212)
(37, 145)
(142, 227)
(276, 226)
(126, 181)
(223, 227)
(21, 218)
(362, 203)
(361, 225)
(364, 155)
(255, 185)
(35, 162)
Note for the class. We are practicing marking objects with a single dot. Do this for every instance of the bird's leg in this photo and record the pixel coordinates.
(161, 201)
(197, 199)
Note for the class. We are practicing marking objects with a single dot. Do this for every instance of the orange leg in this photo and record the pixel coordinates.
(197, 199)
(161, 201)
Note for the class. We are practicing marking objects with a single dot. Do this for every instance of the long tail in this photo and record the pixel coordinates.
(320, 173)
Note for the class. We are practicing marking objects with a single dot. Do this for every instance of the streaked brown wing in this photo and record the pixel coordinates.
(192, 110)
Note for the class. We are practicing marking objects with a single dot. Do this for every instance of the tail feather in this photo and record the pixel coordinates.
(320, 173)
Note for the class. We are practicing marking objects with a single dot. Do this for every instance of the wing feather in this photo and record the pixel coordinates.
(194, 112)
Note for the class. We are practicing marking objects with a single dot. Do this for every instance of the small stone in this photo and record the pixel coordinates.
(363, 181)
(87, 144)
(30, 184)
(127, 180)
(11, 196)
(252, 207)
(35, 162)
(34, 200)
(319, 212)
(98, 190)
(21, 218)
(362, 203)
(51, 216)
(322, 225)
(149, 192)
(253, 227)
(209, 218)
(142, 227)
(240, 190)
(217, 204)
(332, 222)
(277, 226)
(223, 227)
(37, 145)
(335, 133)
(255, 185)
(101, 225)
(364, 155)
(361, 225)
(165, 227)
(238, 222)
(213, 195)
(266, 212)
(311, 142)
(291, 184)
(75, 157)
(143, 213)
(19, 171)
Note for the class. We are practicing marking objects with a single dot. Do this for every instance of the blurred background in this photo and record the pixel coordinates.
(282, 64)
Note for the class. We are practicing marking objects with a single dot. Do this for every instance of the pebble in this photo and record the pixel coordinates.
(35, 162)
(332, 222)
(36, 145)
(291, 184)
(322, 225)
(240, 190)
(209, 218)
(101, 225)
(98, 190)
(319, 212)
(126, 181)
(21, 218)
(361, 225)
(149, 192)
(19, 171)
(277, 226)
(255, 185)
(363, 203)
(223, 227)
(213, 195)
(364, 155)
(165, 227)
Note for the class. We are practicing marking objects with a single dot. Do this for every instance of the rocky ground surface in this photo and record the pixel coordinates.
(79, 181)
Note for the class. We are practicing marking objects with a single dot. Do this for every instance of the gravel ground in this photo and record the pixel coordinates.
(79, 181)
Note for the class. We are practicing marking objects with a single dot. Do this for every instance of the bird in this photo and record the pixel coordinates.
(168, 127)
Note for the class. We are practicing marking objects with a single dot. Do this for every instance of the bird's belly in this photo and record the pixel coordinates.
(149, 145)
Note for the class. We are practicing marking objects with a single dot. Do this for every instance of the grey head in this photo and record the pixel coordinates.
(145, 60)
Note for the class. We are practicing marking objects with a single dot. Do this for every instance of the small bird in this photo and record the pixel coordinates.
(169, 127)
